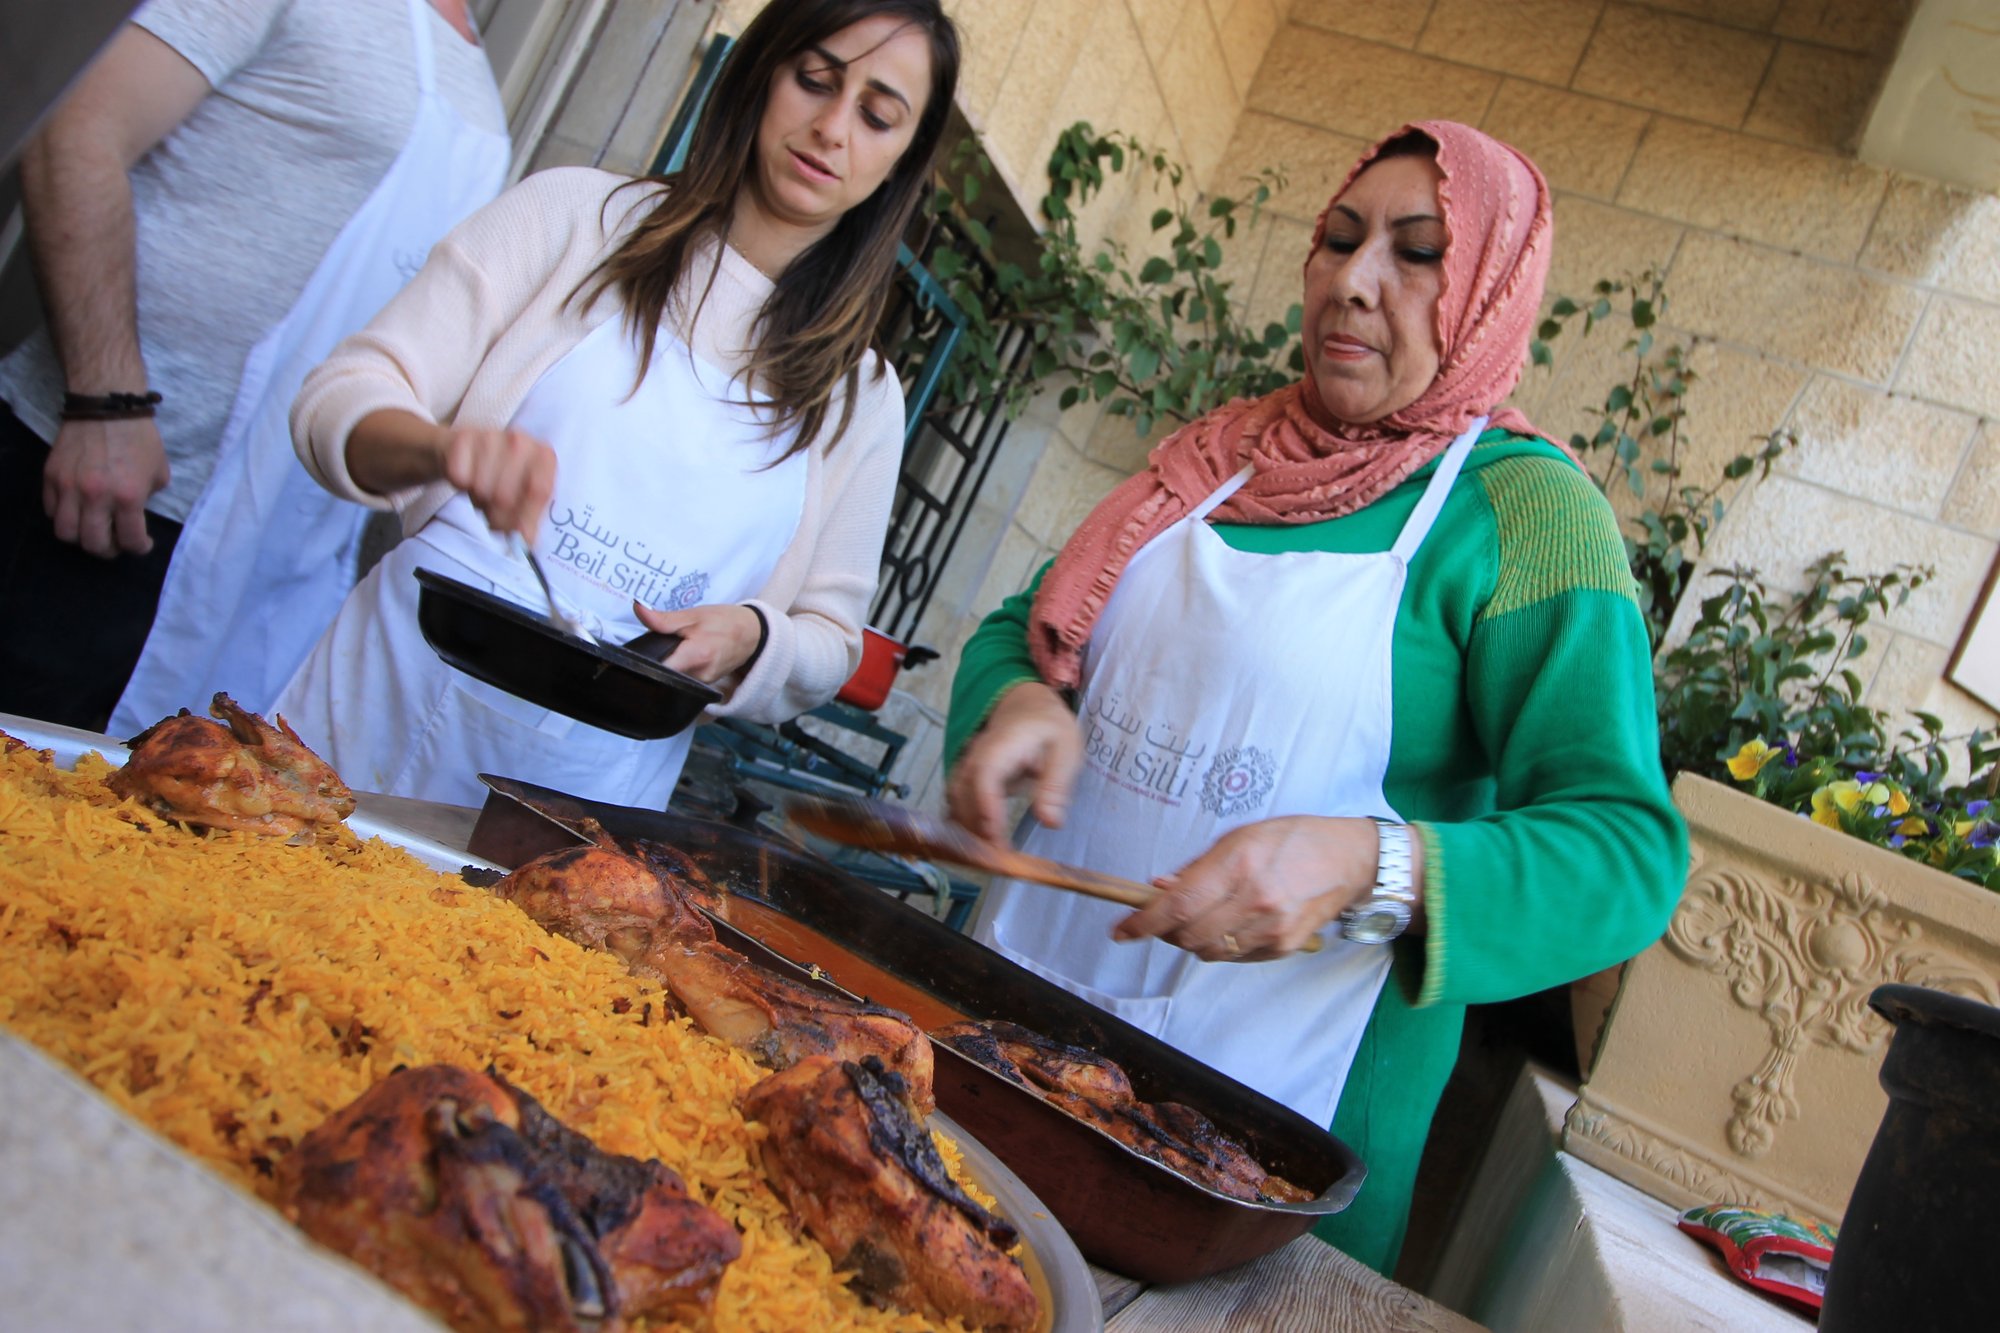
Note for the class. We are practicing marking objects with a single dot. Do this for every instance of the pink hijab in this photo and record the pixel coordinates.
(1498, 230)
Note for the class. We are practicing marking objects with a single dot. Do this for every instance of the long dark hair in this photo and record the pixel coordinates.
(817, 324)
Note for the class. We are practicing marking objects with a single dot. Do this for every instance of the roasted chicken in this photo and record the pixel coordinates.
(603, 899)
(1096, 1091)
(248, 776)
(638, 908)
(461, 1192)
(865, 1180)
(676, 868)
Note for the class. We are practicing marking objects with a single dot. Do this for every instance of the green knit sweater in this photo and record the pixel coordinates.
(1524, 751)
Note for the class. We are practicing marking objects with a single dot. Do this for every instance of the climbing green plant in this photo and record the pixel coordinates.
(1159, 337)
(1764, 690)
(1638, 442)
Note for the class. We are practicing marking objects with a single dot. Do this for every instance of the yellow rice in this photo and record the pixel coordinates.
(231, 992)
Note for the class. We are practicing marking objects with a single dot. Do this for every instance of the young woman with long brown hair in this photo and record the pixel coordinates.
(666, 386)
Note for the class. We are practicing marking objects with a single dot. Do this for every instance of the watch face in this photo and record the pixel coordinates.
(1375, 923)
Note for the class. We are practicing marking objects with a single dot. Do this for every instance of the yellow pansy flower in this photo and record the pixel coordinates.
(1832, 798)
(1914, 827)
(1750, 760)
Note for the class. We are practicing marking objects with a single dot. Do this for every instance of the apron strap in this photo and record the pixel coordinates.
(1222, 494)
(1418, 526)
(420, 27)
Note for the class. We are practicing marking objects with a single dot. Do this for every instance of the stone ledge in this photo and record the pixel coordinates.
(105, 1225)
(1546, 1241)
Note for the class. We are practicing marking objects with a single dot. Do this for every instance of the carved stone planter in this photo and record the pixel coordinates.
(1738, 1063)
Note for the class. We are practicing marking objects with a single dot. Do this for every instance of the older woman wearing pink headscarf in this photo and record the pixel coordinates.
(1354, 673)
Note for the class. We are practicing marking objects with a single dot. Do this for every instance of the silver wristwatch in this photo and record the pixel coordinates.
(1385, 913)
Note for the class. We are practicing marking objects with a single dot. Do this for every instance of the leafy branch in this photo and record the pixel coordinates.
(1157, 339)
(1639, 441)
(1763, 692)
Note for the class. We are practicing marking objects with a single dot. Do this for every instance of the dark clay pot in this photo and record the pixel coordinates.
(1917, 1247)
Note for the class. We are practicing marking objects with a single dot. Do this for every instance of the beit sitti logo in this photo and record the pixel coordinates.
(1142, 755)
(1238, 780)
(595, 551)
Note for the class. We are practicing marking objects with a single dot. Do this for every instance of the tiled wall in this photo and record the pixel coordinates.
(1174, 72)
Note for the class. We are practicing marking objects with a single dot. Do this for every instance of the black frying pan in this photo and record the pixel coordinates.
(621, 688)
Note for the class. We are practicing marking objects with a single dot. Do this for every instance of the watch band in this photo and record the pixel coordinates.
(1385, 913)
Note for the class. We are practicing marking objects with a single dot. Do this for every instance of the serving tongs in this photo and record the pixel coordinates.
(880, 826)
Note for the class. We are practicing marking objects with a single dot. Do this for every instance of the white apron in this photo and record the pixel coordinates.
(1222, 688)
(267, 555)
(666, 496)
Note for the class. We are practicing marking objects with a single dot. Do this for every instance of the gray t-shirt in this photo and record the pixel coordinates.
(312, 101)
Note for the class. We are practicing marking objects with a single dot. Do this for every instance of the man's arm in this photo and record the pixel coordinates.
(77, 199)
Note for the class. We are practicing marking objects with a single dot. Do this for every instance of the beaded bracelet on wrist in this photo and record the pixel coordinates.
(108, 406)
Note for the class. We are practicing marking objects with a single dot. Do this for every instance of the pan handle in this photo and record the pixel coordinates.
(659, 647)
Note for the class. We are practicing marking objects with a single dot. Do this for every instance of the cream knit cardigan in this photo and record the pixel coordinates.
(489, 312)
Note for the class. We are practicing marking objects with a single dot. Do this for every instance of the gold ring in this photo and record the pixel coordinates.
(1229, 943)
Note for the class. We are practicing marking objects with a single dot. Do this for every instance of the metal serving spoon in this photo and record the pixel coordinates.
(561, 619)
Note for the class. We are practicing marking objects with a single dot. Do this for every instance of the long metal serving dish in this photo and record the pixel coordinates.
(1125, 1211)
(1056, 1267)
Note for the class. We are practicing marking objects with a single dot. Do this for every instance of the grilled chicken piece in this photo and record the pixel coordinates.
(1096, 1091)
(248, 776)
(678, 869)
(781, 1022)
(464, 1194)
(863, 1177)
(1044, 1063)
(630, 905)
(1191, 1127)
(603, 899)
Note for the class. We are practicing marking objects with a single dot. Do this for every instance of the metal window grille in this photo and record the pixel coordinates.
(949, 447)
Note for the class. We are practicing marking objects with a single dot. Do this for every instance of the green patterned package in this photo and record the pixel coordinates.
(1770, 1251)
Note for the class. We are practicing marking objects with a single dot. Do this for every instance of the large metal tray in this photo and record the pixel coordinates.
(1054, 1264)
(1125, 1210)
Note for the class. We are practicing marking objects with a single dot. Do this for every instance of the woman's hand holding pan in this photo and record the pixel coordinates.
(716, 641)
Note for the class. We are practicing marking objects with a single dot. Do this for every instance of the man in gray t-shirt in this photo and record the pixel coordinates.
(178, 201)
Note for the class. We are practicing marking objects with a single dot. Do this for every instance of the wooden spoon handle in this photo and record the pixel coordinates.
(1095, 884)
(1111, 888)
